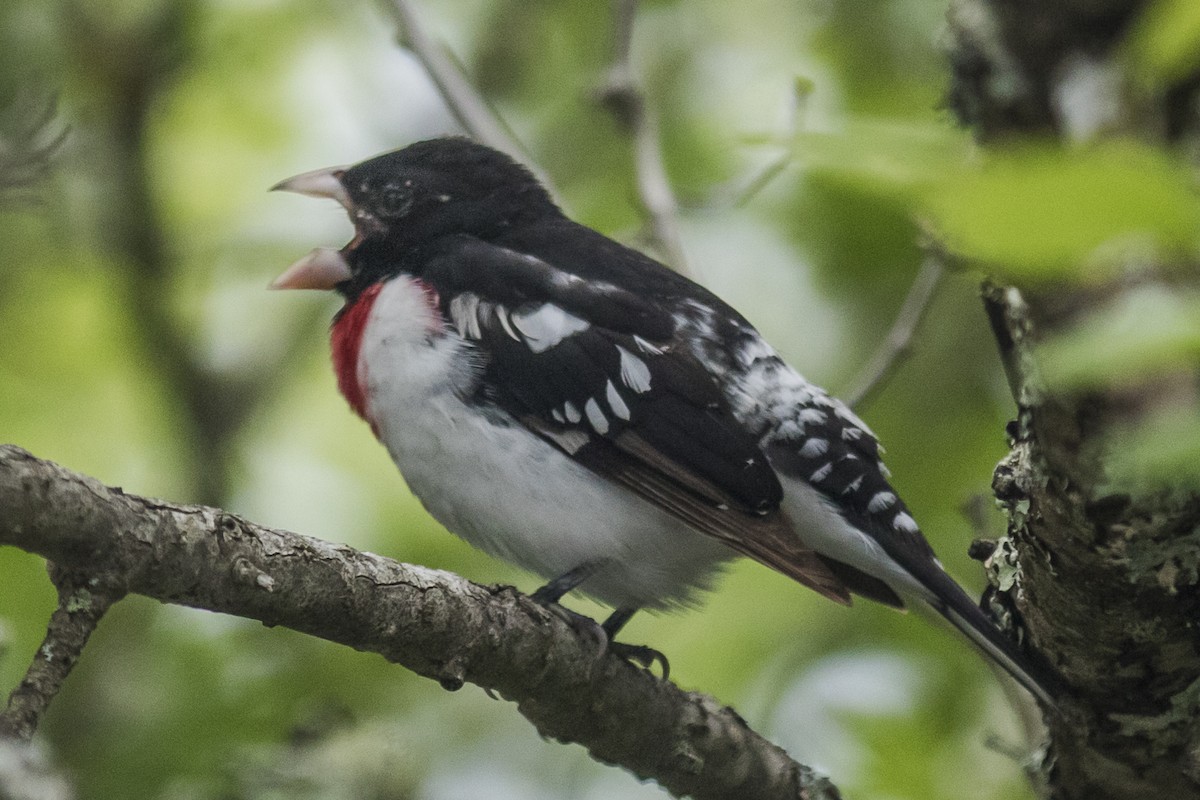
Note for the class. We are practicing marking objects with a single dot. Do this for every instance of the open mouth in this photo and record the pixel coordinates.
(325, 267)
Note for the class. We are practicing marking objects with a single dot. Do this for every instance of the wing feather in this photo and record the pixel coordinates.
(594, 370)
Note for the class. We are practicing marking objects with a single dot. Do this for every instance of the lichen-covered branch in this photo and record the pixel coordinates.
(1106, 579)
(82, 602)
(435, 623)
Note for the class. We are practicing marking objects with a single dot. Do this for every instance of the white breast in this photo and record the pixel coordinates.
(502, 488)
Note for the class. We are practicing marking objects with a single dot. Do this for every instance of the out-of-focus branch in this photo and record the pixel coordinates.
(27, 142)
(25, 775)
(897, 345)
(745, 189)
(620, 94)
(437, 624)
(466, 104)
(81, 604)
(215, 404)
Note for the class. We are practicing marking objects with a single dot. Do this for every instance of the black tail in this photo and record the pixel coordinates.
(1027, 669)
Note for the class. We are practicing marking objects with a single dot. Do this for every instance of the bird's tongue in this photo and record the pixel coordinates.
(323, 268)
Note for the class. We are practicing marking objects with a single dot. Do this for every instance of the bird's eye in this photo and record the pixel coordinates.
(394, 199)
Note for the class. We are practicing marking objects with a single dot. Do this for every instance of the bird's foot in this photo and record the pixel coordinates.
(635, 653)
(642, 656)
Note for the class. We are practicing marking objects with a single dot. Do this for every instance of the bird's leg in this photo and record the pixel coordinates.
(553, 591)
(639, 654)
(549, 595)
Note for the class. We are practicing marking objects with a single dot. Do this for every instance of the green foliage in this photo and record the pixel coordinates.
(1147, 331)
(1165, 45)
(1035, 215)
(1163, 453)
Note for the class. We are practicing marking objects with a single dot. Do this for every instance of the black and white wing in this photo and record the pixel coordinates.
(595, 370)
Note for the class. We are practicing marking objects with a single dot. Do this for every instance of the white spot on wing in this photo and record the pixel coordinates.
(845, 413)
(595, 416)
(571, 412)
(822, 473)
(559, 277)
(646, 347)
(615, 402)
(634, 372)
(558, 416)
(814, 447)
(546, 326)
(502, 314)
(880, 501)
(904, 522)
(812, 416)
(464, 312)
(853, 486)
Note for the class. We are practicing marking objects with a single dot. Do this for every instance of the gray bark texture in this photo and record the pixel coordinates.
(1108, 581)
(436, 624)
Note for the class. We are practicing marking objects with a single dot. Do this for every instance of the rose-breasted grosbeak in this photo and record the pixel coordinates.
(569, 404)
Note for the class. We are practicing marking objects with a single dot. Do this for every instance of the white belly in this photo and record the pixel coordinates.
(502, 488)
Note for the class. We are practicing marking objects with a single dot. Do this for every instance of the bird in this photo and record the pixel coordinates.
(571, 405)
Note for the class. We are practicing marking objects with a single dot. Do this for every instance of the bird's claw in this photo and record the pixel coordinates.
(642, 656)
(637, 654)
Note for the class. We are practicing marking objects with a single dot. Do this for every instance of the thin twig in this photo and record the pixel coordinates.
(620, 94)
(80, 607)
(747, 189)
(467, 105)
(27, 143)
(897, 344)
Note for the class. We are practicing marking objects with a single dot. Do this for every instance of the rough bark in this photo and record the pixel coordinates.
(1108, 581)
(435, 623)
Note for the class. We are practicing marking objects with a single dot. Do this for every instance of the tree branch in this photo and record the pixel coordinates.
(620, 94)
(27, 146)
(81, 604)
(467, 105)
(897, 345)
(1104, 576)
(435, 623)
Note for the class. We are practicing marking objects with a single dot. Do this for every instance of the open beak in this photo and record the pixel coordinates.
(323, 268)
(318, 183)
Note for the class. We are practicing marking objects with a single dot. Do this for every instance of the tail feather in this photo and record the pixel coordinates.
(1027, 669)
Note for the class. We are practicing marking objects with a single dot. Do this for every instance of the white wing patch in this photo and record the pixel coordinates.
(464, 313)
(502, 313)
(880, 501)
(634, 372)
(615, 402)
(814, 447)
(540, 328)
(595, 416)
(546, 326)
(646, 347)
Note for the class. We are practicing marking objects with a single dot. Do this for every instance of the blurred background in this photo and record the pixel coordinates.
(138, 344)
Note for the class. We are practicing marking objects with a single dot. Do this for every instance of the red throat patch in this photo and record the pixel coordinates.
(345, 339)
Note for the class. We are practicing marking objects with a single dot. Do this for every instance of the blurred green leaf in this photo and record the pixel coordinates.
(1161, 453)
(1165, 42)
(1043, 214)
(1145, 331)
(889, 157)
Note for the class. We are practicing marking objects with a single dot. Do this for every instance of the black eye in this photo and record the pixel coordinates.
(394, 199)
